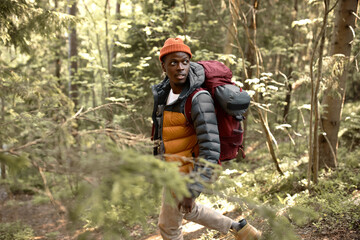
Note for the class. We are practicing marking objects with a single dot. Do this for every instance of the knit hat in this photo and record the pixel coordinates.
(174, 45)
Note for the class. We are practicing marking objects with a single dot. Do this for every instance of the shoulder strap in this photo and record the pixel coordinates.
(188, 104)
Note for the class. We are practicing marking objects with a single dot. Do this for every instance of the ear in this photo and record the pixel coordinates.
(163, 66)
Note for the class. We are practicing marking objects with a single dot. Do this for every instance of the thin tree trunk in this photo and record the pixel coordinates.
(313, 164)
(100, 56)
(288, 84)
(315, 152)
(250, 54)
(229, 39)
(3, 166)
(256, 59)
(58, 66)
(57, 53)
(73, 53)
(108, 61)
(185, 20)
(97, 35)
(330, 119)
(116, 37)
(108, 55)
(250, 46)
(269, 144)
(114, 49)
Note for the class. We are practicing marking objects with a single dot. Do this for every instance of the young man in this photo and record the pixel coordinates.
(182, 142)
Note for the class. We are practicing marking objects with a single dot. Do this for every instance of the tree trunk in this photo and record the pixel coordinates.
(250, 53)
(108, 53)
(184, 21)
(2, 165)
(73, 53)
(333, 103)
(115, 49)
(229, 40)
(57, 52)
(116, 37)
(315, 103)
(250, 47)
(288, 84)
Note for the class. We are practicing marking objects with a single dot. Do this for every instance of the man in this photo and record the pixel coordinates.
(181, 142)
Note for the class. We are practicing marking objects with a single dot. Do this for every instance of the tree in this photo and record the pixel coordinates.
(57, 54)
(73, 54)
(20, 22)
(250, 51)
(333, 100)
(288, 76)
(315, 86)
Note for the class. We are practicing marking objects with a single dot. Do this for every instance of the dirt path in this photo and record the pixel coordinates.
(195, 231)
(43, 218)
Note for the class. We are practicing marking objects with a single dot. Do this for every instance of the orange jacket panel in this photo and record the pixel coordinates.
(180, 140)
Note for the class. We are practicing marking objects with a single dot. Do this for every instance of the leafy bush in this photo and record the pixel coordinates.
(15, 231)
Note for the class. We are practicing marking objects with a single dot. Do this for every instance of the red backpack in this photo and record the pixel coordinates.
(230, 105)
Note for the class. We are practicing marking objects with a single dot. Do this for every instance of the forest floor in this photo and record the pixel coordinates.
(47, 224)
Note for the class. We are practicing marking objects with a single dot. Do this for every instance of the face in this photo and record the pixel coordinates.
(177, 66)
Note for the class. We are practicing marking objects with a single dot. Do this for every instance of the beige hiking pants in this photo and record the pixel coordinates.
(170, 219)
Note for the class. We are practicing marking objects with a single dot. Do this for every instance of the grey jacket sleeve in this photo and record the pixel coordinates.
(205, 124)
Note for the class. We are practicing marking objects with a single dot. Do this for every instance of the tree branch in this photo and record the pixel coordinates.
(64, 124)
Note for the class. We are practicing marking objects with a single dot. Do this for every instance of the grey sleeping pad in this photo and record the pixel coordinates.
(234, 102)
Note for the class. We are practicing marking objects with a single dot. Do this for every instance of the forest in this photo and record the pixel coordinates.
(76, 104)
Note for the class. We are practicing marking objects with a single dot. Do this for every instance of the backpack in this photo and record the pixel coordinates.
(230, 102)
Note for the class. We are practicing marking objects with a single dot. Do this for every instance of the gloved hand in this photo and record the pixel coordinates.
(186, 205)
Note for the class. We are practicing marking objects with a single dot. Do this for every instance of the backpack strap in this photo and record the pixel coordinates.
(188, 104)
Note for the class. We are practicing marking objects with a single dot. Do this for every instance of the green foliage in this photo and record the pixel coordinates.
(91, 157)
(350, 126)
(336, 197)
(40, 199)
(123, 191)
(52, 235)
(15, 231)
(34, 107)
(21, 19)
(14, 163)
(284, 202)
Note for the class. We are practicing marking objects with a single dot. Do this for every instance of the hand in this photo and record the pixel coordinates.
(186, 204)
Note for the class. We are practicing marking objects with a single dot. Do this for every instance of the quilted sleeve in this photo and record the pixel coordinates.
(205, 124)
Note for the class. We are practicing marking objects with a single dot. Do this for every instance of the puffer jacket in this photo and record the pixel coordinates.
(203, 118)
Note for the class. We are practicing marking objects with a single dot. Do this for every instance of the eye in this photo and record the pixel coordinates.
(186, 61)
(173, 63)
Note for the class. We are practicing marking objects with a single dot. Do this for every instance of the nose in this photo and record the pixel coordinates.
(180, 66)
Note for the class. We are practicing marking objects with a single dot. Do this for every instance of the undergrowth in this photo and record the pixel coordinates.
(285, 203)
(280, 205)
(15, 231)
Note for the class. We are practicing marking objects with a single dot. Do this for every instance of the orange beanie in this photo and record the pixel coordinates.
(174, 45)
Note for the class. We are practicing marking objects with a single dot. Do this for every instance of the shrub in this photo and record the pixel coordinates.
(15, 231)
